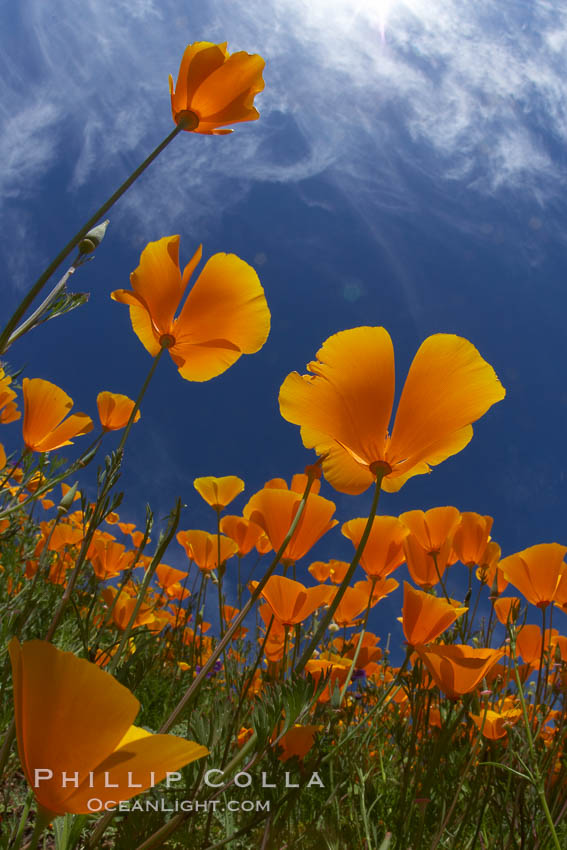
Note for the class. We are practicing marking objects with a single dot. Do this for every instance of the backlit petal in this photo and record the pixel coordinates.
(348, 398)
(45, 405)
(240, 75)
(141, 759)
(227, 302)
(449, 386)
(73, 426)
(66, 732)
(199, 61)
(157, 280)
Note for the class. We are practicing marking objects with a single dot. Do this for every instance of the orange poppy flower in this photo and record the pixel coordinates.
(215, 88)
(224, 315)
(433, 529)
(203, 548)
(168, 577)
(425, 617)
(536, 572)
(263, 546)
(229, 612)
(506, 608)
(494, 724)
(422, 564)
(368, 653)
(379, 588)
(274, 509)
(114, 410)
(487, 569)
(84, 732)
(458, 669)
(45, 408)
(297, 741)
(354, 602)
(471, 537)
(529, 643)
(290, 601)
(345, 405)
(109, 558)
(330, 665)
(64, 534)
(384, 550)
(245, 533)
(124, 607)
(218, 492)
(334, 570)
(274, 645)
(8, 409)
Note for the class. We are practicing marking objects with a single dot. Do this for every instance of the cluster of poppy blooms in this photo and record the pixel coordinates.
(343, 407)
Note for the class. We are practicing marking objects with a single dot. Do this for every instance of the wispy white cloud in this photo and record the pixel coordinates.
(467, 96)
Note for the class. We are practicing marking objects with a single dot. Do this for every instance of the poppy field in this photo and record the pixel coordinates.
(129, 721)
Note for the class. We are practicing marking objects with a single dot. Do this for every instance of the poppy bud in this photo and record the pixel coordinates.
(93, 238)
(67, 499)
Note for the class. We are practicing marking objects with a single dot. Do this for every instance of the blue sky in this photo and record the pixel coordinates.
(407, 170)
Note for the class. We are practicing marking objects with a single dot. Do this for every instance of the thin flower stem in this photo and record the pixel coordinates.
(44, 277)
(538, 781)
(462, 778)
(163, 543)
(240, 617)
(538, 688)
(138, 401)
(42, 820)
(16, 841)
(439, 576)
(326, 619)
(359, 644)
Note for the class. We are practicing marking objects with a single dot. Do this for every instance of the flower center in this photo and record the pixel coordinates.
(378, 466)
(166, 340)
(187, 120)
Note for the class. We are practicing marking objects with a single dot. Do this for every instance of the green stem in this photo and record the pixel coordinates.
(322, 627)
(42, 820)
(240, 617)
(163, 543)
(538, 781)
(43, 278)
(96, 517)
(359, 644)
(138, 401)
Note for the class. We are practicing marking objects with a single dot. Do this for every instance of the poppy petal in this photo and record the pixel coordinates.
(141, 759)
(45, 406)
(73, 426)
(157, 281)
(240, 74)
(243, 322)
(199, 61)
(350, 394)
(106, 713)
(449, 385)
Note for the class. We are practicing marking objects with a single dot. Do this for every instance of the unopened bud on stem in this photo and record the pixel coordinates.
(93, 238)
